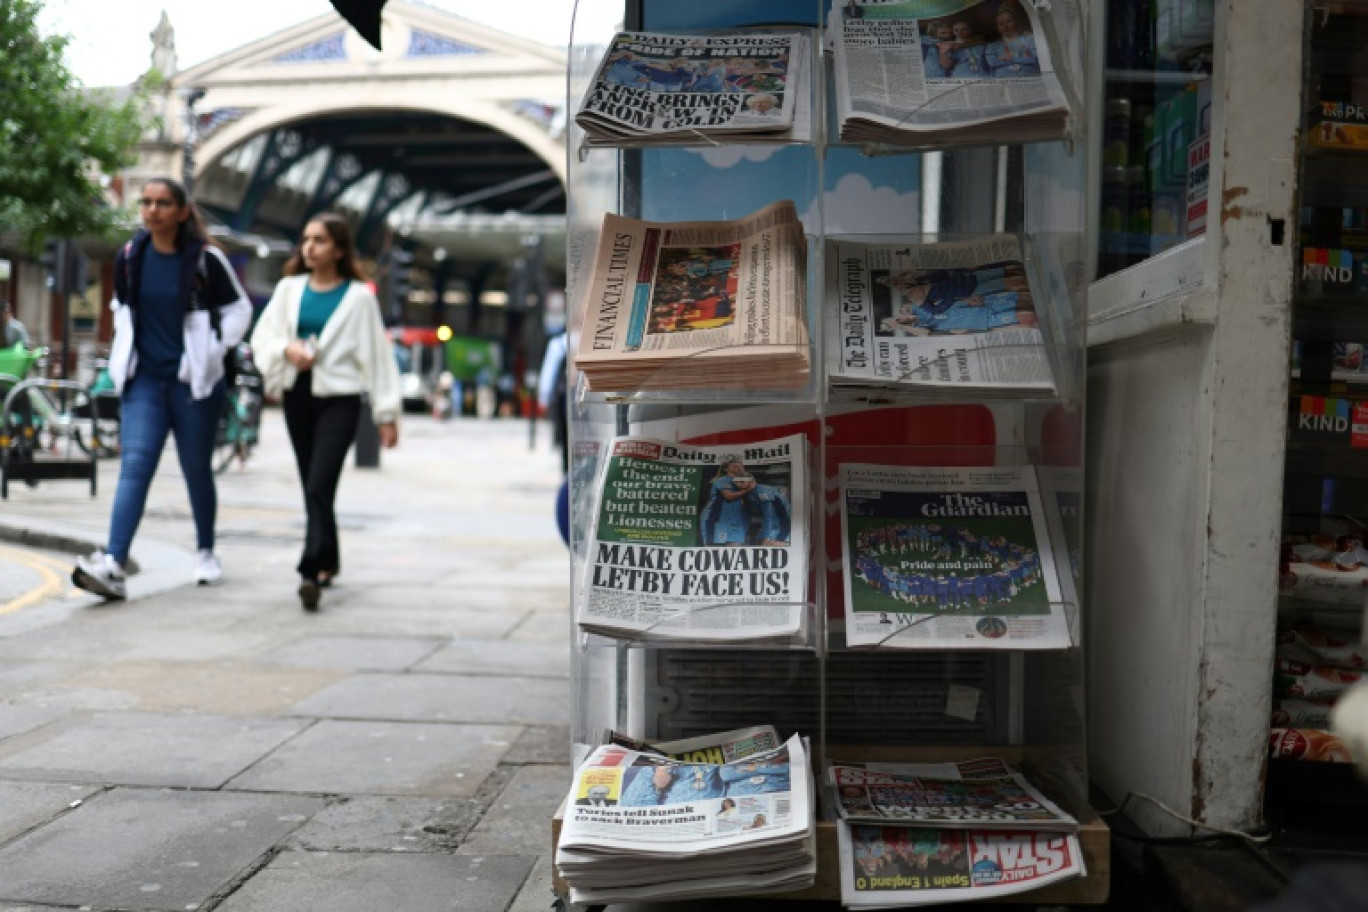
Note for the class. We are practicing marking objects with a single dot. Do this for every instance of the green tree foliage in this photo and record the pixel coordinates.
(56, 137)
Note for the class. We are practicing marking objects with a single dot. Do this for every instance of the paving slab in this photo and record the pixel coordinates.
(15, 720)
(148, 849)
(152, 749)
(18, 676)
(368, 823)
(542, 744)
(383, 758)
(358, 653)
(443, 698)
(228, 688)
(501, 657)
(536, 894)
(519, 820)
(342, 612)
(24, 805)
(394, 882)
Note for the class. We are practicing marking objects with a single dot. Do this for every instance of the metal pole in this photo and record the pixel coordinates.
(67, 267)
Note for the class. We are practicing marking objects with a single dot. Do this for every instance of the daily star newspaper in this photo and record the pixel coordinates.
(697, 304)
(959, 315)
(889, 866)
(937, 72)
(984, 793)
(699, 542)
(720, 747)
(948, 558)
(653, 86)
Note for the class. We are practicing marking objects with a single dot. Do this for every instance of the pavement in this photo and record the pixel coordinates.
(218, 748)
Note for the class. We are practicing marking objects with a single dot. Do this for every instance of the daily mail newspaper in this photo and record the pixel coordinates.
(703, 543)
(720, 747)
(959, 315)
(971, 794)
(653, 86)
(936, 72)
(659, 806)
(948, 558)
(892, 866)
(697, 304)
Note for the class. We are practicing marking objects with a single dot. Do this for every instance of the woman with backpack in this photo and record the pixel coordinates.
(178, 308)
(320, 344)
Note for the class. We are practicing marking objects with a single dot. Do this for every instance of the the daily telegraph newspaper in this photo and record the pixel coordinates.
(720, 747)
(984, 793)
(640, 825)
(703, 542)
(936, 72)
(687, 305)
(889, 866)
(953, 316)
(948, 558)
(655, 86)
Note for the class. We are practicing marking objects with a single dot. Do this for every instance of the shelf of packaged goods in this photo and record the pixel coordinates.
(1326, 461)
(1155, 77)
(1322, 319)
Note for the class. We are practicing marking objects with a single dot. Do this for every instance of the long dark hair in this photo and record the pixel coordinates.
(339, 229)
(193, 226)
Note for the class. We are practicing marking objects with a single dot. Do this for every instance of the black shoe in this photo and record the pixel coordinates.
(325, 580)
(308, 594)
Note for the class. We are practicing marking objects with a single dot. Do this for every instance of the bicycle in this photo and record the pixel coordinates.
(239, 428)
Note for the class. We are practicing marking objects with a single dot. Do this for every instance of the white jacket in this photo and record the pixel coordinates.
(353, 354)
(202, 363)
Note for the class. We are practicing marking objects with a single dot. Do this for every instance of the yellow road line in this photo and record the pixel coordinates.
(50, 569)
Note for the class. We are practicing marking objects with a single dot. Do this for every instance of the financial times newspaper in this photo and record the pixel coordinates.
(948, 558)
(890, 865)
(699, 542)
(656, 86)
(937, 71)
(697, 303)
(644, 803)
(956, 315)
(970, 794)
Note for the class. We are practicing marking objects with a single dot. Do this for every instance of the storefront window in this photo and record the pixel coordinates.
(1156, 130)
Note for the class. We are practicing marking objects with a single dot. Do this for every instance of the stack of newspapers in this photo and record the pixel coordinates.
(952, 319)
(697, 305)
(739, 86)
(925, 73)
(714, 816)
(706, 543)
(918, 834)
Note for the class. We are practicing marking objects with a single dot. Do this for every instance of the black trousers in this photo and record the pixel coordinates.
(322, 429)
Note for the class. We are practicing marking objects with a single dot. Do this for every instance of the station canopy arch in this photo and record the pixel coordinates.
(449, 141)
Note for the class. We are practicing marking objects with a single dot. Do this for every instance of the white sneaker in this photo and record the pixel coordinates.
(101, 574)
(208, 570)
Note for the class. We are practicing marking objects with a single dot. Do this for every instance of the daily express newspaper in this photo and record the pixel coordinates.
(720, 747)
(889, 866)
(659, 85)
(948, 558)
(716, 303)
(699, 542)
(984, 793)
(959, 315)
(927, 71)
(660, 806)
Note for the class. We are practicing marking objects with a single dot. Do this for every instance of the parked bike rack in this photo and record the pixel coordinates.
(19, 432)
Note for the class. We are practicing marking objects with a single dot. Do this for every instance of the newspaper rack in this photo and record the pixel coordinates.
(900, 698)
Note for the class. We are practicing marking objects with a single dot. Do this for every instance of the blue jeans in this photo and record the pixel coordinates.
(151, 407)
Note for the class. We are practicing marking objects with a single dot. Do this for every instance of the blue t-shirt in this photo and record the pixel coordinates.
(316, 307)
(159, 336)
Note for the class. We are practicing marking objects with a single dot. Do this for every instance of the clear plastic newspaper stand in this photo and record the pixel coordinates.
(866, 664)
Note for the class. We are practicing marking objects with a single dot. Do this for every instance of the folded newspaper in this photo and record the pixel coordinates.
(886, 866)
(981, 794)
(699, 542)
(690, 305)
(948, 558)
(639, 826)
(959, 316)
(736, 85)
(928, 73)
(722, 747)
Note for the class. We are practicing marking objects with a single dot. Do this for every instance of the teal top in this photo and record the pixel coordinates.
(316, 307)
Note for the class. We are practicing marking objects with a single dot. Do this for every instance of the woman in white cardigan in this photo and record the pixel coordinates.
(320, 344)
